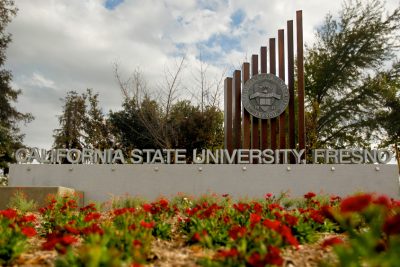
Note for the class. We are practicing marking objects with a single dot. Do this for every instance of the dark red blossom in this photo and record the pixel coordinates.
(392, 225)
(227, 253)
(273, 256)
(163, 203)
(93, 229)
(241, 207)
(255, 260)
(383, 201)
(137, 243)
(237, 231)
(28, 218)
(274, 206)
(91, 207)
(196, 237)
(316, 216)
(309, 195)
(92, 216)
(8, 213)
(59, 242)
(118, 212)
(290, 219)
(254, 219)
(355, 203)
(71, 230)
(274, 225)
(257, 207)
(28, 231)
(147, 225)
(332, 242)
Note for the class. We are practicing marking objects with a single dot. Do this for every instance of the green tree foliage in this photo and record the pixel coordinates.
(344, 71)
(10, 136)
(142, 126)
(82, 123)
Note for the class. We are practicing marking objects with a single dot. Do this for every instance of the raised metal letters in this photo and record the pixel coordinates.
(265, 96)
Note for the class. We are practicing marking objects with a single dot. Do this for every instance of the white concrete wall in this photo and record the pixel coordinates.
(99, 182)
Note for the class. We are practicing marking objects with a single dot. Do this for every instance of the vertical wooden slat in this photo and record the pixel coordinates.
(264, 123)
(282, 117)
(246, 114)
(292, 141)
(255, 144)
(272, 69)
(228, 141)
(300, 79)
(236, 109)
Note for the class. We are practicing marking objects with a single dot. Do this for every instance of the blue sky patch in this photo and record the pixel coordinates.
(226, 42)
(238, 17)
(111, 4)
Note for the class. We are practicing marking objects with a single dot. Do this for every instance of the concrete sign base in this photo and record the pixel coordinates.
(100, 182)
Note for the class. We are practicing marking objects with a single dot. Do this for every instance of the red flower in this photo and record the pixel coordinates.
(227, 253)
(92, 216)
(132, 227)
(137, 243)
(255, 260)
(392, 225)
(273, 256)
(163, 203)
(241, 207)
(93, 229)
(9, 213)
(274, 225)
(286, 233)
(309, 195)
(290, 219)
(196, 237)
(147, 225)
(332, 242)
(257, 207)
(237, 231)
(268, 195)
(274, 206)
(147, 207)
(316, 216)
(90, 207)
(355, 203)
(122, 211)
(68, 240)
(254, 219)
(29, 231)
(71, 230)
(383, 201)
(28, 218)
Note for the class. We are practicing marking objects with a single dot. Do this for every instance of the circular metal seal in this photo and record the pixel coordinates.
(265, 96)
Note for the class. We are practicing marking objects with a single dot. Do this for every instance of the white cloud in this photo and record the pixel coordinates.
(62, 45)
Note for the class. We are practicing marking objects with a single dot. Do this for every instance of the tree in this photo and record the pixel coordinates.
(343, 70)
(10, 136)
(82, 123)
(71, 131)
(147, 122)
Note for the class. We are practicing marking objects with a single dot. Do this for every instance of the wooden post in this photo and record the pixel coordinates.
(255, 121)
(228, 114)
(246, 114)
(282, 117)
(300, 79)
(264, 123)
(292, 141)
(272, 69)
(236, 109)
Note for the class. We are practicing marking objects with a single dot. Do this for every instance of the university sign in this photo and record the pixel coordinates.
(205, 156)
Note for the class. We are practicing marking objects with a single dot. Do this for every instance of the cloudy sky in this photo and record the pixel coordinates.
(63, 45)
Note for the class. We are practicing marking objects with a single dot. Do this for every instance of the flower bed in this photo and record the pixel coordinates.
(364, 228)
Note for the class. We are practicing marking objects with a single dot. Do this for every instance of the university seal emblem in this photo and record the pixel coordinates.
(265, 96)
